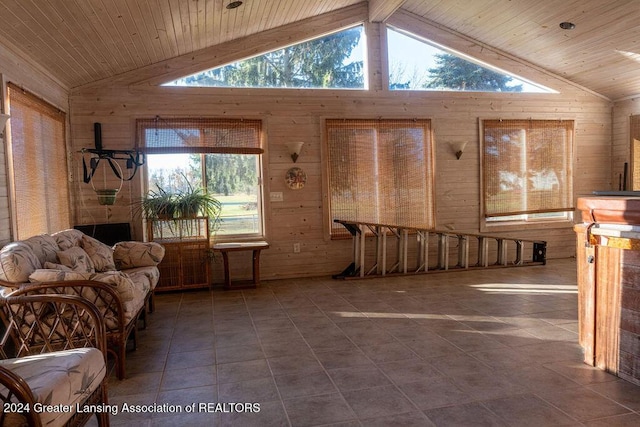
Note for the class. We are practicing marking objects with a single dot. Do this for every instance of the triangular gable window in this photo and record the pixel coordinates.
(417, 64)
(334, 61)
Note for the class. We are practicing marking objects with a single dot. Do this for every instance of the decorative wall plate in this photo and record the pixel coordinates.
(295, 178)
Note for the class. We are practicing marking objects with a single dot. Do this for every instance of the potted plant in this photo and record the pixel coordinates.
(159, 204)
(195, 202)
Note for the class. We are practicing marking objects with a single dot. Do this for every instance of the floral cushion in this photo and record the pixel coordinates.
(148, 276)
(44, 247)
(68, 238)
(135, 305)
(61, 378)
(101, 255)
(54, 266)
(77, 259)
(120, 281)
(137, 254)
(17, 262)
(50, 275)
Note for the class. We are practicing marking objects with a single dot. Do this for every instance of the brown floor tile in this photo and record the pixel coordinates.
(270, 414)
(583, 404)
(320, 352)
(529, 410)
(243, 371)
(378, 402)
(358, 377)
(388, 352)
(189, 377)
(465, 415)
(434, 393)
(621, 391)
(318, 410)
(301, 385)
(626, 420)
(343, 358)
(239, 353)
(184, 397)
(401, 372)
(191, 359)
(296, 364)
(410, 419)
(258, 390)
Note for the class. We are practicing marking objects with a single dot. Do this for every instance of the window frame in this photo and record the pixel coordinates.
(326, 182)
(202, 151)
(529, 86)
(527, 220)
(182, 81)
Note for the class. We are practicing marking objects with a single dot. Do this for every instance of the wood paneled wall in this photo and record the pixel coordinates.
(292, 115)
(621, 138)
(297, 115)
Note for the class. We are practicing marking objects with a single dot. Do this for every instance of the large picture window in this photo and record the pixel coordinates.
(334, 61)
(527, 169)
(223, 156)
(39, 162)
(380, 171)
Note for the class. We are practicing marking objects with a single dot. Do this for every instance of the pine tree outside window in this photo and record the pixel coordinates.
(221, 155)
(334, 61)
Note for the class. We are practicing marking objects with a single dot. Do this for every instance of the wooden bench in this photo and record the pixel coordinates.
(256, 247)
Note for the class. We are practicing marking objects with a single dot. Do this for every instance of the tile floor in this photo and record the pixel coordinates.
(492, 347)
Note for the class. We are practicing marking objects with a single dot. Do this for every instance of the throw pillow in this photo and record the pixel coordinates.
(53, 266)
(137, 254)
(76, 259)
(101, 255)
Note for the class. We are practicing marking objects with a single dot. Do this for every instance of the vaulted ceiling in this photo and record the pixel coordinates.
(83, 41)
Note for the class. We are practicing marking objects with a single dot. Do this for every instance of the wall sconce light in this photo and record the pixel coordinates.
(294, 149)
(458, 147)
(3, 123)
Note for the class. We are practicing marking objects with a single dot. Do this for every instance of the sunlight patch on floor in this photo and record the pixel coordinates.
(533, 288)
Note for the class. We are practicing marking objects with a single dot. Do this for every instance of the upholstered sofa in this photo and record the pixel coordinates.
(61, 382)
(119, 280)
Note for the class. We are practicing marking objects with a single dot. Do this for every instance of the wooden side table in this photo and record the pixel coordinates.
(256, 247)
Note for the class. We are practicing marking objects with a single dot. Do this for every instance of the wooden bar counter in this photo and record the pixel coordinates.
(608, 259)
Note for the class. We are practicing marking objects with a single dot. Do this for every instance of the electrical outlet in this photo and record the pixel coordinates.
(296, 248)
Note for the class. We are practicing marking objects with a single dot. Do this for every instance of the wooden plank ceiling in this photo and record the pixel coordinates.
(84, 41)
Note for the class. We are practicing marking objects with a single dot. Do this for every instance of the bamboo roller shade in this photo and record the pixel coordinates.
(199, 135)
(39, 159)
(527, 166)
(380, 171)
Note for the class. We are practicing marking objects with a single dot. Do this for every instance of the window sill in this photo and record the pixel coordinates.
(486, 227)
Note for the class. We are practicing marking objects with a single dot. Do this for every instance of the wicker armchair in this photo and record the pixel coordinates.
(120, 321)
(44, 384)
